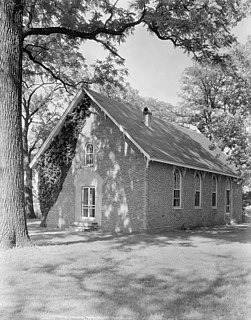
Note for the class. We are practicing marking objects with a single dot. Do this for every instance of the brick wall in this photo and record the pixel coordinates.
(119, 175)
(122, 170)
(162, 216)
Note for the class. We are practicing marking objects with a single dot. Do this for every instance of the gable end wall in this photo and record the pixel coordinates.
(121, 169)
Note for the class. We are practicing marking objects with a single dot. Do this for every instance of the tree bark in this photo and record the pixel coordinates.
(13, 227)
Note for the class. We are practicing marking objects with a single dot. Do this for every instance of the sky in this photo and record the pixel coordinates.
(155, 67)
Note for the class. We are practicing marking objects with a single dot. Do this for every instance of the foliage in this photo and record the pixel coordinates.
(198, 26)
(55, 163)
(216, 98)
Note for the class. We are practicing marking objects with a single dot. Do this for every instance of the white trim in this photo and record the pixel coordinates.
(180, 188)
(88, 205)
(216, 191)
(200, 190)
(228, 188)
(88, 154)
(192, 167)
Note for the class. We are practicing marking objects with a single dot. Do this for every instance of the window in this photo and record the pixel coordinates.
(214, 192)
(88, 201)
(197, 189)
(89, 155)
(177, 189)
(228, 197)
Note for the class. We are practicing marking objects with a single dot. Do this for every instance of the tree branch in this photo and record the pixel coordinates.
(108, 47)
(33, 147)
(111, 14)
(34, 91)
(155, 30)
(65, 84)
(36, 46)
(81, 34)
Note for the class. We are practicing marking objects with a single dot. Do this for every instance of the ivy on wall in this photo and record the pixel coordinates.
(56, 161)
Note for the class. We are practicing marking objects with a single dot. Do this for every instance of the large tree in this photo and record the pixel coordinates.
(197, 26)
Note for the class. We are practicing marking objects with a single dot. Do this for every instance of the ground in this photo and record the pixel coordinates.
(192, 274)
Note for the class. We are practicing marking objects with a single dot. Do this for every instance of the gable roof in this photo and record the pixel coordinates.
(163, 142)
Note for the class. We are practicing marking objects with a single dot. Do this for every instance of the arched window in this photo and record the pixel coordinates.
(177, 189)
(228, 195)
(214, 192)
(197, 190)
(89, 155)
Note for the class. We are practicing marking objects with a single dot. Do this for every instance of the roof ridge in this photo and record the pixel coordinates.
(164, 142)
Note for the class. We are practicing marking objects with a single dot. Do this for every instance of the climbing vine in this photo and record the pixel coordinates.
(56, 161)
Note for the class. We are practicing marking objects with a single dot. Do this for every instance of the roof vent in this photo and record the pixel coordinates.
(147, 115)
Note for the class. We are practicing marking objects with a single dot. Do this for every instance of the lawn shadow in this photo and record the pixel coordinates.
(168, 294)
(172, 295)
(227, 233)
(182, 238)
(109, 287)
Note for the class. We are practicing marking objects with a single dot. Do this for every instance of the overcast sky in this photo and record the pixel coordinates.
(155, 67)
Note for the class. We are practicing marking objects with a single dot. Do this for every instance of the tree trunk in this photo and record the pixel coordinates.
(28, 195)
(43, 222)
(13, 228)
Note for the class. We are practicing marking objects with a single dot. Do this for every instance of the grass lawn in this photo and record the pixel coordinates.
(202, 274)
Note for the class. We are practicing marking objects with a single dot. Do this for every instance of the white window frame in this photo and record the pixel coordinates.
(197, 190)
(214, 178)
(89, 206)
(177, 189)
(228, 196)
(89, 155)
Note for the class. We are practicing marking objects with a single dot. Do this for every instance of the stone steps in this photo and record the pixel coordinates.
(84, 226)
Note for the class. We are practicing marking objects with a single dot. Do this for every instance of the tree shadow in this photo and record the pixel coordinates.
(126, 242)
(228, 233)
(166, 295)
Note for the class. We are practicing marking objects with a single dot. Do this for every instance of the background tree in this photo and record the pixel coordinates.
(39, 117)
(216, 99)
(200, 27)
